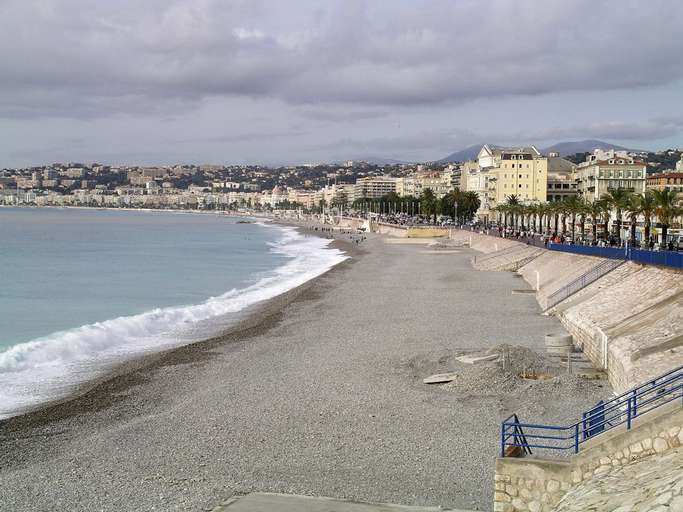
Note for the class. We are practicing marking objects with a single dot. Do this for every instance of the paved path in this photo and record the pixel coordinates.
(268, 502)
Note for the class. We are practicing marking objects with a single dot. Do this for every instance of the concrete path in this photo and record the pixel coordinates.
(267, 502)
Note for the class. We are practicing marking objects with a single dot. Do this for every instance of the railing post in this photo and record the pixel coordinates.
(576, 438)
(502, 440)
(628, 415)
(635, 404)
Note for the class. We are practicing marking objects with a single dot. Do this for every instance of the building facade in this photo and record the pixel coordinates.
(672, 181)
(519, 171)
(373, 187)
(609, 170)
(561, 179)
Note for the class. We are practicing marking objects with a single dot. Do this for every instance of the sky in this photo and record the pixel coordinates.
(300, 81)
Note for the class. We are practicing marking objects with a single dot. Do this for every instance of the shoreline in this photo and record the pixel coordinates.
(319, 393)
(101, 392)
(247, 319)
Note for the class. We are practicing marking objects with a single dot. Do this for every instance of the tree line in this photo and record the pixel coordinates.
(566, 216)
(458, 205)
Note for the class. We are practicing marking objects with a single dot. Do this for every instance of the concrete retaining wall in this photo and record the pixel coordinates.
(530, 484)
(629, 322)
(633, 327)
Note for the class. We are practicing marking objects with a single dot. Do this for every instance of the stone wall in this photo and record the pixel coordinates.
(538, 485)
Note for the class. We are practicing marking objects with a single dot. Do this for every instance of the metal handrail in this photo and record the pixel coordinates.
(592, 275)
(622, 409)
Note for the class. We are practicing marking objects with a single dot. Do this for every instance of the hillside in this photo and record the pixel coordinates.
(563, 148)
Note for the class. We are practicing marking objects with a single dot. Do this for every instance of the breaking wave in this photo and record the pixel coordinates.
(50, 367)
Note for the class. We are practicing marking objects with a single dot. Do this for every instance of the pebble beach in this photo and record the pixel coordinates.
(317, 392)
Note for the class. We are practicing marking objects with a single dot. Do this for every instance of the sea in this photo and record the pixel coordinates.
(82, 290)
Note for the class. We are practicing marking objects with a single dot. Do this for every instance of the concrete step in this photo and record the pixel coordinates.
(269, 502)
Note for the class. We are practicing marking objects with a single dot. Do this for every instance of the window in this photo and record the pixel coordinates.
(520, 185)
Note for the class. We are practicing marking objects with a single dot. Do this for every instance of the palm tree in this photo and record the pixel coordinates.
(429, 203)
(583, 212)
(512, 202)
(647, 209)
(606, 210)
(665, 210)
(633, 209)
(594, 209)
(573, 206)
(618, 199)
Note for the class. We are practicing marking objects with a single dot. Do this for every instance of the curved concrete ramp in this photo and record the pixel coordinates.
(267, 502)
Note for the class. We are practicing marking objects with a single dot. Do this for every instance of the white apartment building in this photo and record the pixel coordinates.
(373, 187)
(607, 170)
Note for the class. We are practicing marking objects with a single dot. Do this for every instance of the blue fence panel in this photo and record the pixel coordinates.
(666, 258)
(618, 253)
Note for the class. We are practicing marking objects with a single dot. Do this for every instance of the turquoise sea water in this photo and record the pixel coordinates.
(83, 289)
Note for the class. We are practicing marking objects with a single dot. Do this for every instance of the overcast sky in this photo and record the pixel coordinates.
(295, 81)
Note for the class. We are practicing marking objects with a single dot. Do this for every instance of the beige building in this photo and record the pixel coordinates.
(561, 179)
(667, 181)
(408, 186)
(439, 182)
(519, 171)
(609, 170)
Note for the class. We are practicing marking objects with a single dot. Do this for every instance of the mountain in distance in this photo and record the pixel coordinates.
(377, 160)
(563, 148)
(469, 153)
(582, 146)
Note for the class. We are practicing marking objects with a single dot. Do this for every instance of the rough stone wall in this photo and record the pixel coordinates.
(656, 490)
(536, 485)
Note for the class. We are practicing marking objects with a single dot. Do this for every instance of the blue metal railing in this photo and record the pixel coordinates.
(623, 409)
(599, 270)
(665, 258)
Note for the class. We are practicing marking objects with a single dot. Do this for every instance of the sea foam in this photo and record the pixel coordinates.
(50, 368)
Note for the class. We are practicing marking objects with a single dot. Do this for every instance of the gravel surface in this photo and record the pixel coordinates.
(324, 396)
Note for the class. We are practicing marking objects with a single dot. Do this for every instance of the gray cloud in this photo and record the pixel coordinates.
(90, 59)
